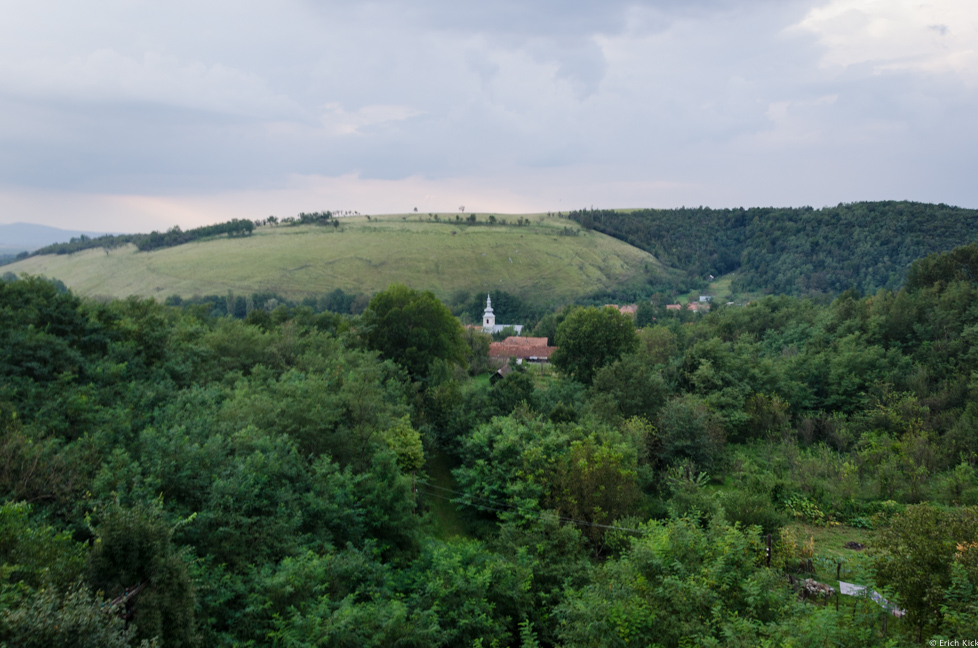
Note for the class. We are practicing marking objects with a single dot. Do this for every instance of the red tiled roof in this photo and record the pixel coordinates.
(628, 309)
(525, 341)
(506, 350)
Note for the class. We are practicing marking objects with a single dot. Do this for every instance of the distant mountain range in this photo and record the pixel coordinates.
(17, 237)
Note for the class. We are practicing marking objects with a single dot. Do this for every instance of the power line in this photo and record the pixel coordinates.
(476, 497)
(512, 507)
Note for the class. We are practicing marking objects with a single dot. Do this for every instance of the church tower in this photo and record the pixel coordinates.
(488, 318)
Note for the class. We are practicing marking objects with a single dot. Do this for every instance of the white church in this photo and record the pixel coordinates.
(489, 321)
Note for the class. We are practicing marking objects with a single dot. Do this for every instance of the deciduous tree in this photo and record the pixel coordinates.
(590, 338)
(413, 329)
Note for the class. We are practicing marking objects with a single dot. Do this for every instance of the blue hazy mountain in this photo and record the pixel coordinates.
(17, 237)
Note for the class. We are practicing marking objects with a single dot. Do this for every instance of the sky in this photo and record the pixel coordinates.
(129, 115)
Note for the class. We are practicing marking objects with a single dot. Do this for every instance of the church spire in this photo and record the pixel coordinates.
(488, 318)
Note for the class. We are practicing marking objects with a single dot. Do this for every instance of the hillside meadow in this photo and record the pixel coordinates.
(364, 255)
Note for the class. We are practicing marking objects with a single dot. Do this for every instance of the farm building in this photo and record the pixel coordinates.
(529, 349)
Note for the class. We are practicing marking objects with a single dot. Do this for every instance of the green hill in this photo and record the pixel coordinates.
(548, 260)
(793, 251)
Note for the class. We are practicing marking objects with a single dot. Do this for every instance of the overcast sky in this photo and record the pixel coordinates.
(125, 115)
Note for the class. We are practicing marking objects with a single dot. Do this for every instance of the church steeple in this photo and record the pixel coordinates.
(488, 318)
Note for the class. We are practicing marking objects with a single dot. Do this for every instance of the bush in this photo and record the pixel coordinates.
(751, 509)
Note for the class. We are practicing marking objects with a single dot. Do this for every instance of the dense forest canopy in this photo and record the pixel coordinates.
(793, 251)
(299, 478)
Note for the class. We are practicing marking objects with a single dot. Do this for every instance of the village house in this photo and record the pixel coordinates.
(501, 373)
(627, 309)
(524, 349)
(695, 307)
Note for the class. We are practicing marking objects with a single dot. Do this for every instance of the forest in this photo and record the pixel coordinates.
(152, 241)
(172, 476)
(792, 251)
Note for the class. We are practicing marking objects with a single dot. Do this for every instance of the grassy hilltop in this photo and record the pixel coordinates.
(363, 255)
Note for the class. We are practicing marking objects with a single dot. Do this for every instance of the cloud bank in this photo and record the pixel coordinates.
(137, 115)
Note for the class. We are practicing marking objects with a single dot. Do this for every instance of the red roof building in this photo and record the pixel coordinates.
(627, 309)
(533, 349)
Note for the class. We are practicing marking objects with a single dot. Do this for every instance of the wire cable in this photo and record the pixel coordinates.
(512, 507)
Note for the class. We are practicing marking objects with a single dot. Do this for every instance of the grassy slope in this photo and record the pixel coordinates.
(362, 256)
(721, 290)
(829, 544)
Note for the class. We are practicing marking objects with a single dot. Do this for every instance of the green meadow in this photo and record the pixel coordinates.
(363, 255)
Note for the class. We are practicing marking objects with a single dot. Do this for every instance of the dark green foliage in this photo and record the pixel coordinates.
(83, 242)
(645, 314)
(311, 218)
(338, 301)
(752, 509)
(515, 389)
(133, 547)
(48, 618)
(152, 241)
(796, 251)
(547, 326)
(36, 555)
(688, 433)
(473, 594)
(916, 556)
(516, 468)
(699, 241)
(590, 338)
(960, 264)
(508, 308)
(477, 356)
(681, 585)
(175, 236)
(44, 332)
(42, 601)
(557, 556)
(413, 329)
(259, 475)
(628, 387)
(339, 413)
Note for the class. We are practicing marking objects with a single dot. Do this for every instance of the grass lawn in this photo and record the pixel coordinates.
(721, 290)
(830, 550)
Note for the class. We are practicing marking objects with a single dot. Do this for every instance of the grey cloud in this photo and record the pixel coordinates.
(711, 99)
(478, 61)
(552, 18)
